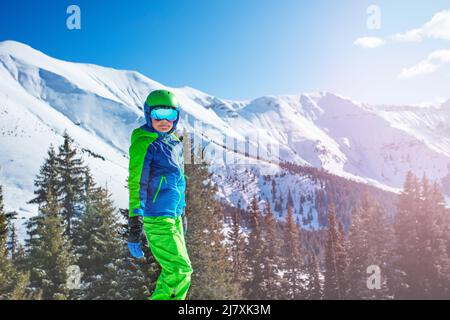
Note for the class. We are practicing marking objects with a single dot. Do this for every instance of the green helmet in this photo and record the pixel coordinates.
(162, 98)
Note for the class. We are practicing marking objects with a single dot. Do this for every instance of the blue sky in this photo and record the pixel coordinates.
(248, 48)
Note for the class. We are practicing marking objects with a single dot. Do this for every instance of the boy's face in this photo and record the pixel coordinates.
(162, 125)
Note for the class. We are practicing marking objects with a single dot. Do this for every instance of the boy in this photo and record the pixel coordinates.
(157, 195)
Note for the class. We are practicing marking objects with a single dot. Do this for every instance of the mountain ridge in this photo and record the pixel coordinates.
(41, 96)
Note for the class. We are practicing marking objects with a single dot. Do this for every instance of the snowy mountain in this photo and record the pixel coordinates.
(40, 97)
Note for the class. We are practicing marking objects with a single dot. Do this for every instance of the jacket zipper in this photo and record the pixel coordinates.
(159, 187)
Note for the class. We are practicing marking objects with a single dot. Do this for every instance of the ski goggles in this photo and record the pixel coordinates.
(164, 113)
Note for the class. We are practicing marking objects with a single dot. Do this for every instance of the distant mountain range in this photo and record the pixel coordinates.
(40, 97)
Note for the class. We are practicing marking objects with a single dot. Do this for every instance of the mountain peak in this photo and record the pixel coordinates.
(446, 104)
(27, 54)
(16, 48)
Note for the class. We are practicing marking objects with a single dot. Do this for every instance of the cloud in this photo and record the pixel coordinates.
(414, 35)
(369, 42)
(437, 28)
(427, 66)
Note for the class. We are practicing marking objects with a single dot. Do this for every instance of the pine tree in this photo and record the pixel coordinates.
(31, 232)
(3, 221)
(342, 258)
(406, 229)
(278, 206)
(47, 179)
(358, 250)
(381, 243)
(48, 176)
(237, 245)
(50, 253)
(271, 259)
(21, 259)
(293, 262)
(434, 261)
(335, 259)
(369, 244)
(212, 276)
(13, 242)
(290, 201)
(421, 244)
(131, 279)
(70, 184)
(13, 283)
(98, 244)
(441, 273)
(422, 252)
(274, 190)
(254, 253)
(314, 286)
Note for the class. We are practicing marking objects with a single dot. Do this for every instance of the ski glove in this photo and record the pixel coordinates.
(136, 226)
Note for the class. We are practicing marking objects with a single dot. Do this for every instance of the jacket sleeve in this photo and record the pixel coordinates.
(139, 174)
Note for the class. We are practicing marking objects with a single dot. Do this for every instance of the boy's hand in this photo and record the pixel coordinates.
(136, 250)
(135, 235)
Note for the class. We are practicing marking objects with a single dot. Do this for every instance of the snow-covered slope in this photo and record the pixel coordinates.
(40, 97)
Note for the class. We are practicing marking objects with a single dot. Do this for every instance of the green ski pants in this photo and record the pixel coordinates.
(166, 240)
